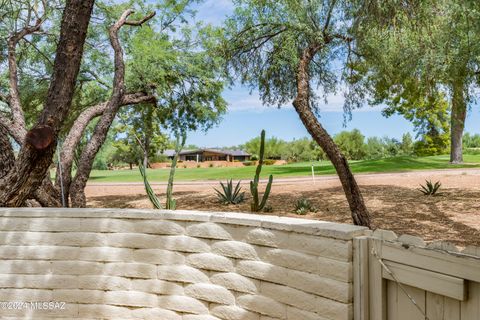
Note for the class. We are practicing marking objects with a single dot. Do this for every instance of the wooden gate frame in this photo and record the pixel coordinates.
(428, 269)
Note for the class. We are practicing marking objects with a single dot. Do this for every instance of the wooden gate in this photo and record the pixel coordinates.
(397, 281)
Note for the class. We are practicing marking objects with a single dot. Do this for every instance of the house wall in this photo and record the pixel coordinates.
(144, 264)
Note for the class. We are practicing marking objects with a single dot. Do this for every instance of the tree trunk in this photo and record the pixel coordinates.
(7, 158)
(36, 154)
(458, 115)
(360, 214)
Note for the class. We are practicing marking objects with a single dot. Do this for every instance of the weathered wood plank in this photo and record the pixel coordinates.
(360, 278)
(406, 307)
(470, 309)
(435, 305)
(434, 282)
(377, 285)
(451, 309)
(467, 268)
(392, 301)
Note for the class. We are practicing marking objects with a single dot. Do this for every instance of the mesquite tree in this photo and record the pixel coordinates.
(418, 56)
(287, 49)
(38, 144)
(102, 87)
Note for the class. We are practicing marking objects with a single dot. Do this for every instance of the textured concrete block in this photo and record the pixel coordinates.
(103, 311)
(210, 292)
(133, 240)
(332, 289)
(158, 227)
(131, 270)
(267, 238)
(25, 295)
(324, 267)
(38, 252)
(320, 246)
(48, 281)
(107, 254)
(182, 304)
(294, 313)
(25, 267)
(131, 298)
(155, 314)
(76, 267)
(210, 261)
(79, 296)
(158, 256)
(199, 317)
(263, 305)
(179, 273)
(235, 282)
(262, 271)
(157, 286)
(289, 296)
(183, 244)
(233, 313)
(103, 283)
(235, 249)
(208, 230)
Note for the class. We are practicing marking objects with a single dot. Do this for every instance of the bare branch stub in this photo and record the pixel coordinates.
(40, 137)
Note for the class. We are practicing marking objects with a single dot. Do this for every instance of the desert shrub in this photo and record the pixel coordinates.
(229, 194)
(210, 165)
(430, 189)
(269, 162)
(304, 206)
(249, 163)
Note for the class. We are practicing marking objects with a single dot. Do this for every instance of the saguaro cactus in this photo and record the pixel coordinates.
(257, 205)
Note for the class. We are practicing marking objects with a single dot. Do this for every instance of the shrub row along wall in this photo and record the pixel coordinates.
(143, 264)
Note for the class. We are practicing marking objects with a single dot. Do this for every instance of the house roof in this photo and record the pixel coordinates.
(235, 153)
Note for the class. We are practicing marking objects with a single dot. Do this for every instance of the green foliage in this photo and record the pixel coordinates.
(304, 206)
(230, 194)
(248, 163)
(471, 141)
(264, 41)
(256, 204)
(431, 145)
(351, 143)
(430, 189)
(151, 194)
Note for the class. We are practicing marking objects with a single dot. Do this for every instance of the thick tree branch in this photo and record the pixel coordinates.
(14, 101)
(75, 134)
(140, 22)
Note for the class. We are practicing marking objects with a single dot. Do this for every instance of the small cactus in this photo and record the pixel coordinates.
(256, 204)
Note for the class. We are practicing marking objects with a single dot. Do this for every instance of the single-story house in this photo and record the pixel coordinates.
(211, 154)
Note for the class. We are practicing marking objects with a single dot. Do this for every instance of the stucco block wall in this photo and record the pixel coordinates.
(182, 265)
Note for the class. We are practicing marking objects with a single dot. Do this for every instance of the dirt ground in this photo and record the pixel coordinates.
(393, 200)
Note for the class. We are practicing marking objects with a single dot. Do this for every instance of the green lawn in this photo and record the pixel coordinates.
(292, 170)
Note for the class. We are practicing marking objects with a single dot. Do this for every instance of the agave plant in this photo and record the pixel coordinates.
(430, 189)
(229, 194)
(304, 206)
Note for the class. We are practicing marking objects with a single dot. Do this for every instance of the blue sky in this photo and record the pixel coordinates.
(247, 116)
